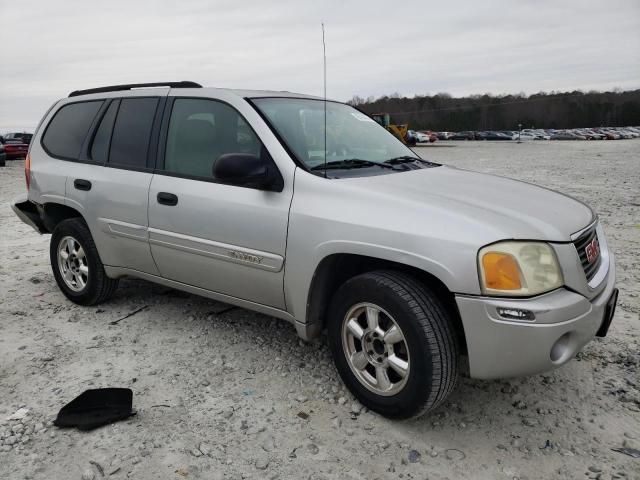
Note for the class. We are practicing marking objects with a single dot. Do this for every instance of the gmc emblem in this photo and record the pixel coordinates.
(592, 250)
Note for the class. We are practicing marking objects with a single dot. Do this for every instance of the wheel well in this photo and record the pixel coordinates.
(336, 269)
(53, 213)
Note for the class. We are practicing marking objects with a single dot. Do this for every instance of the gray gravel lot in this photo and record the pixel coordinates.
(227, 393)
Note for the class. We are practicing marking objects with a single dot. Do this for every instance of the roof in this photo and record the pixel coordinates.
(187, 85)
(265, 93)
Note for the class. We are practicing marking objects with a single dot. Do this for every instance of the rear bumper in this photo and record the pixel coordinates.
(15, 153)
(15, 150)
(564, 322)
(27, 211)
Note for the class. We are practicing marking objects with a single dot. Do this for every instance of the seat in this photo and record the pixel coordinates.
(291, 129)
(195, 148)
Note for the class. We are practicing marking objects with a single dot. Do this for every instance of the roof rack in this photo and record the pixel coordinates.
(130, 86)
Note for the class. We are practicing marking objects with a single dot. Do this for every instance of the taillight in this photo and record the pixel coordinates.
(27, 170)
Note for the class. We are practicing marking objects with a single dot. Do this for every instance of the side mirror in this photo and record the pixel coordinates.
(245, 170)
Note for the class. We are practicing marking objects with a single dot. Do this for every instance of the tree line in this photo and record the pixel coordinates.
(442, 112)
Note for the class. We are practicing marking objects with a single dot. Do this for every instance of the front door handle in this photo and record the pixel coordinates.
(166, 198)
(82, 184)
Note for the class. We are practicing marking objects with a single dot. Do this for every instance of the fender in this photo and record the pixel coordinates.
(300, 270)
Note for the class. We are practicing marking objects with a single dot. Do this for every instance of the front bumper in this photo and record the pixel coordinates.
(564, 322)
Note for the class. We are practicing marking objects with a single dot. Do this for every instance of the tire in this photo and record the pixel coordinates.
(87, 283)
(428, 346)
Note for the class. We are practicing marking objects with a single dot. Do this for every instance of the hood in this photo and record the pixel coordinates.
(504, 208)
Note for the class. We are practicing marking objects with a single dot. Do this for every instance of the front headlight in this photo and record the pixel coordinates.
(518, 269)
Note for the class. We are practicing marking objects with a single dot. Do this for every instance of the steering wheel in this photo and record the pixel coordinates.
(338, 149)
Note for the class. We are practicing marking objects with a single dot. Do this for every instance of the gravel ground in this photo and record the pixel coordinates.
(222, 392)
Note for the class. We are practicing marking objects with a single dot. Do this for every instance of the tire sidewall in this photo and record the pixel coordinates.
(411, 398)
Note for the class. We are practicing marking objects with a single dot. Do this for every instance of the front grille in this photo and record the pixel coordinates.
(580, 243)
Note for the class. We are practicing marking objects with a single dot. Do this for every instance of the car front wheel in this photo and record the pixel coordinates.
(393, 344)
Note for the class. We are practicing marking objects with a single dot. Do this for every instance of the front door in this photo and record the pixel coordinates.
(208, 234)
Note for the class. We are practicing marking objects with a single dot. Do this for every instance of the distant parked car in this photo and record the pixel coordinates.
(567, 135)
(21, 137)
(525, 136)
(411, 137)
(444, 135)
(629, 133)
(607, 134)
(3, 156)
(537, 134)
(432, 135)
(423, 137)
(513, 135)
(623, 133)
(490, 135)
(14, 148)
(617, 134)
(589, 134)
(462, 136)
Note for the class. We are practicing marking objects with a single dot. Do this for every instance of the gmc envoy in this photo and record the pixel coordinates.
(308, 210)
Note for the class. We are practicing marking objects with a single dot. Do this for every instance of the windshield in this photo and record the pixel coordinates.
(352, 138)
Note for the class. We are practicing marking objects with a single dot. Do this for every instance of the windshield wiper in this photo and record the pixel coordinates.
(350, 163)
(408, 159)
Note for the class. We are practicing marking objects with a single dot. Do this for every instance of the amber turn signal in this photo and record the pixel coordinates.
(501, 271)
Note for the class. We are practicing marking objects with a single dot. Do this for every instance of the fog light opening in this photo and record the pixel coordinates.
(561, 349)
(516, 314)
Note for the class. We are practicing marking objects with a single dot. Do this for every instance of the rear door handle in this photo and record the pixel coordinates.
(81, 184)
(166, 198)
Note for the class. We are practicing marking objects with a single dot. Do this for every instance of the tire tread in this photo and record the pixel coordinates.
(438, 330)
(104, 287)
(433, 319)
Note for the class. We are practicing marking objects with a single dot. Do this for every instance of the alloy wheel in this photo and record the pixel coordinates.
(376, 349)
(73, 264)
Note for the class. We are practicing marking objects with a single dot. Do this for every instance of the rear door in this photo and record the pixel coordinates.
(203, 232)
(111, 181)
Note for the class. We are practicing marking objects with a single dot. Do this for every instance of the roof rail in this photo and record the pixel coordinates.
(130, 86)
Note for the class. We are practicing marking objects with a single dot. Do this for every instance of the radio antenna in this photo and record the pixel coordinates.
(324, 70)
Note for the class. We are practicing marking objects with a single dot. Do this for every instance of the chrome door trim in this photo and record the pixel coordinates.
(220, 251)
(123, 229)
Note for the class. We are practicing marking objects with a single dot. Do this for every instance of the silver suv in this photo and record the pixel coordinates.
(308, 210)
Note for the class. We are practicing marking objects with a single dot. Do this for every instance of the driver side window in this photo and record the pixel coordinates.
(200, 131)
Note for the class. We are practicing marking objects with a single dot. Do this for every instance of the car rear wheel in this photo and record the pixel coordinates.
(393, 344)
(76, 264)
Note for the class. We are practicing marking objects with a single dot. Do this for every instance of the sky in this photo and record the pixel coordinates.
(374, 47)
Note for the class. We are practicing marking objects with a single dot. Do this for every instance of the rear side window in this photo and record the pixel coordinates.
(100, 145)
(68, 128)
(131, 132)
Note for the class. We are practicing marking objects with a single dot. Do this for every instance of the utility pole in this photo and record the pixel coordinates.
(519, 132)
